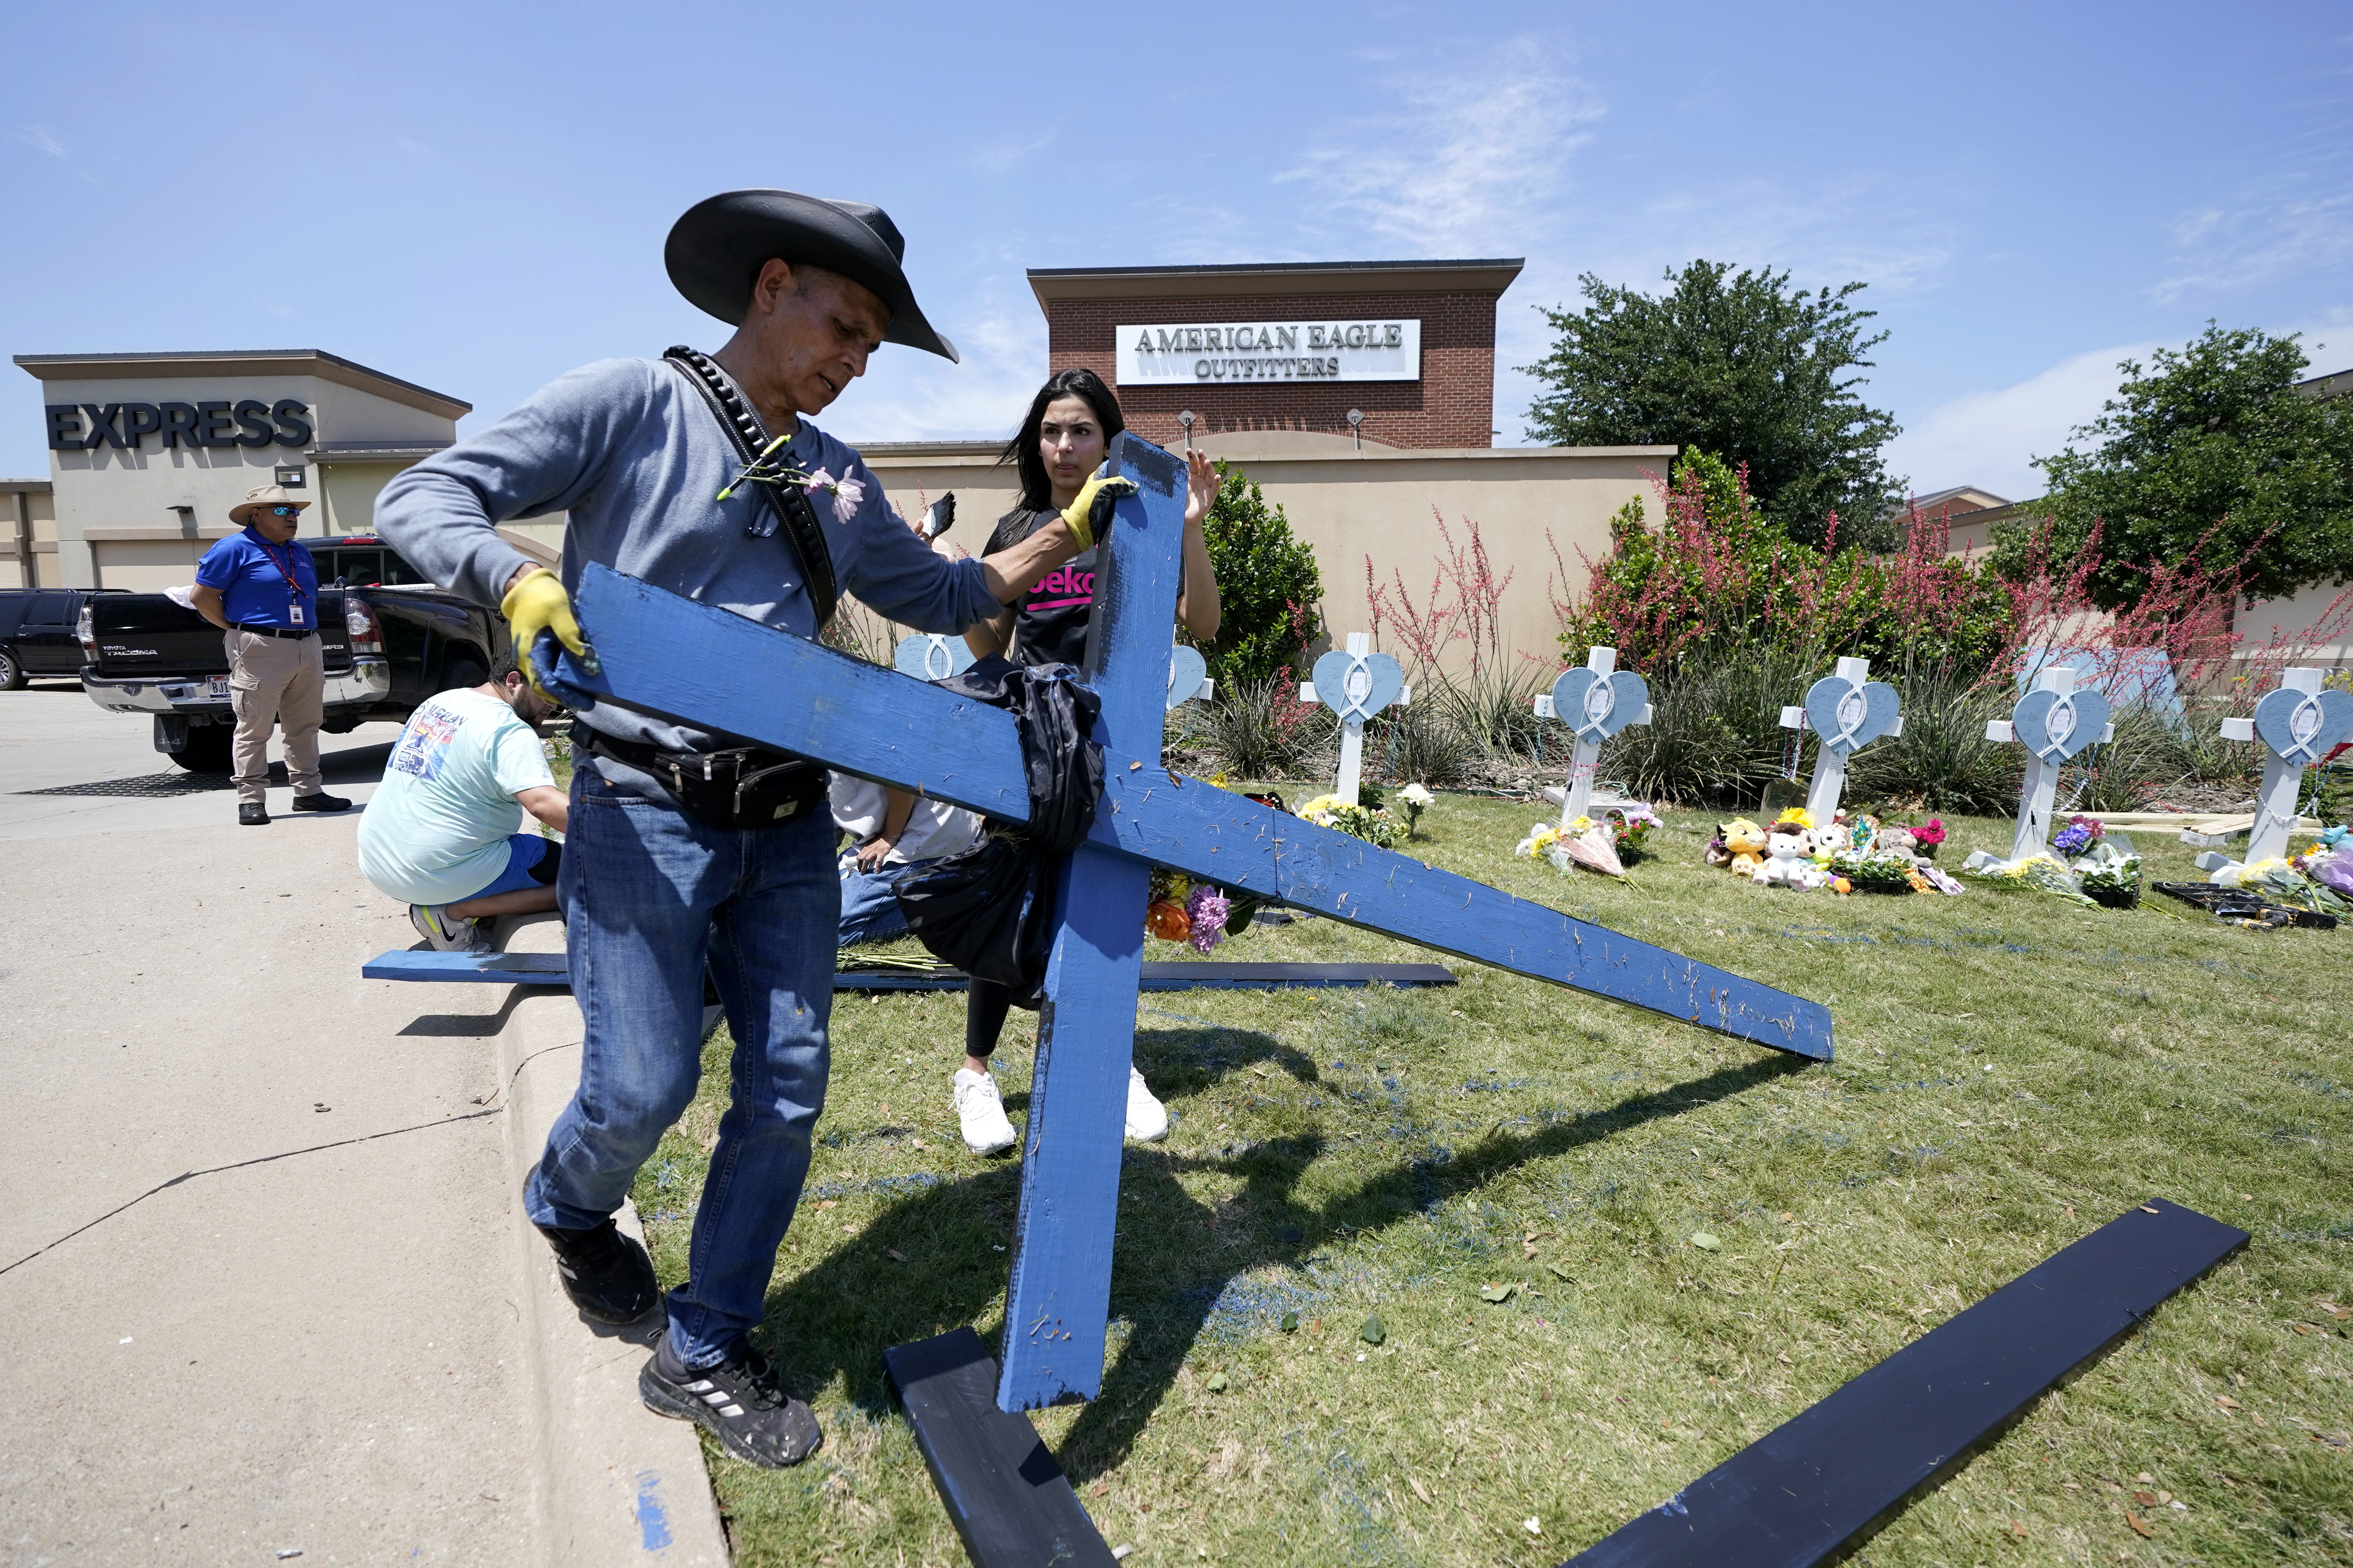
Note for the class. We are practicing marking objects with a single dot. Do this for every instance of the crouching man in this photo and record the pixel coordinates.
(687, 846)
(440, 835)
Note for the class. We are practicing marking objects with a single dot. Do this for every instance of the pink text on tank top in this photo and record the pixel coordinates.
(1062, 587)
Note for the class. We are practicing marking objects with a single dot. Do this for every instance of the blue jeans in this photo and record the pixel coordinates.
(649, 894)
(870, 909)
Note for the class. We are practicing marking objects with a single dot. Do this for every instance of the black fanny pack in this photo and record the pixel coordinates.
(746, 787)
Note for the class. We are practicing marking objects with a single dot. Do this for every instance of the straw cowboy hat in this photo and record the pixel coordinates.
(261, 496)
(716, 250)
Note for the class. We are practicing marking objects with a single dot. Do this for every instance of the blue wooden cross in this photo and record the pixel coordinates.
(668, 655)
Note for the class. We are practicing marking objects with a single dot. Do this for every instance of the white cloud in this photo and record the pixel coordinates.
(911, 396)
(2259, 243)
(1990, 438)
(39, 138)
(1467, 163)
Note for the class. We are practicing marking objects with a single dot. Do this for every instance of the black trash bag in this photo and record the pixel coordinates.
(989, 911)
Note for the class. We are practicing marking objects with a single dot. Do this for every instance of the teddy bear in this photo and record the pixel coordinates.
(1897, 839)
(1790, 859)
(1738, 845)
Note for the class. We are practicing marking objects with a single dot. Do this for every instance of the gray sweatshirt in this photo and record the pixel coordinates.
(636, 457)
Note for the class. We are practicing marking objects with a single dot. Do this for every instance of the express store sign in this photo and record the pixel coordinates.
(225, 422)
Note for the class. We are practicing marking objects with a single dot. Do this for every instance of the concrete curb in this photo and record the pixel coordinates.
(615, 1484)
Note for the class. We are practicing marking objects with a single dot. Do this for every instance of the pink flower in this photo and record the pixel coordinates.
(845, 496)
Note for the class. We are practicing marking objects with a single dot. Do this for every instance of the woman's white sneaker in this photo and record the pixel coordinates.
(982, 1111)
(1147, 1118)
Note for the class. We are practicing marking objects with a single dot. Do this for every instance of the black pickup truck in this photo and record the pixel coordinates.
(391, 641)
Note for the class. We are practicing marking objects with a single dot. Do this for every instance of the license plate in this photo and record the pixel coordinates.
(218, 686)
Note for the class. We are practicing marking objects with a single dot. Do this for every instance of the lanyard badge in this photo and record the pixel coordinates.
(294, 611)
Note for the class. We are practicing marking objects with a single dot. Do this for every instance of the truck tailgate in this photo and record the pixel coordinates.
(148, 637)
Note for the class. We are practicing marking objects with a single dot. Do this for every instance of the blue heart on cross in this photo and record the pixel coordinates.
(2300, 727)
(1848, 717)
(1357, 686)
(930, 657)
(1186, 670)
(2055, 727)
(1596, 706)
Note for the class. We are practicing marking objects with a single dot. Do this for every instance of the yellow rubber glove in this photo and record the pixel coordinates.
(1090, 515)
(538, 604)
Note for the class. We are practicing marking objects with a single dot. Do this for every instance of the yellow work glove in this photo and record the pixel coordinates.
(538, 604)
(1090, 515)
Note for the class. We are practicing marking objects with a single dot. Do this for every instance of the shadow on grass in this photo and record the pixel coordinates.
(842, 1313)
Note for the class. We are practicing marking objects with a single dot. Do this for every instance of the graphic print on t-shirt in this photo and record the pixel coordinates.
(424, 744)
(1062, 587)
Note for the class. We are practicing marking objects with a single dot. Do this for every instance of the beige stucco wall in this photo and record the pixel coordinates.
(1377, 504)
(34, 564)
(116, 521)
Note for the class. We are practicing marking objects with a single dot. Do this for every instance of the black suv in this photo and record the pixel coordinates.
(36, 632)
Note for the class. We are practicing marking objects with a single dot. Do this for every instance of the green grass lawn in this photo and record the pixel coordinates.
(2012, 1071)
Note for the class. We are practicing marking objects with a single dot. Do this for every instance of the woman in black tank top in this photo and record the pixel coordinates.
(1060, 443)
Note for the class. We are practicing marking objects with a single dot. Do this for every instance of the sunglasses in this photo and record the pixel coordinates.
(285, 511)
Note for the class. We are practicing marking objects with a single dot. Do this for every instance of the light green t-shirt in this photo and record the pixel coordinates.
(436, 830)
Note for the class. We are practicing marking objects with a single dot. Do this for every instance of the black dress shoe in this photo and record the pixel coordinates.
(252, 814)
(322, 801)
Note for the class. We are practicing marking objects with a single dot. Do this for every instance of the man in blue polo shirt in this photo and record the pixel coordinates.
(260, 589)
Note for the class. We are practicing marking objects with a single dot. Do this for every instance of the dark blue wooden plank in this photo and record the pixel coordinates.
(1058, 1299)
(665, 655)
(1010, 1501)
(478, 968)
(1799, 1493)
(1220, 837)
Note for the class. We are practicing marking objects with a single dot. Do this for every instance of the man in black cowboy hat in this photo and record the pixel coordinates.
(683, 848)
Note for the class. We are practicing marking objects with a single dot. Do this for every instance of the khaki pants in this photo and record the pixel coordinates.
(274, 680)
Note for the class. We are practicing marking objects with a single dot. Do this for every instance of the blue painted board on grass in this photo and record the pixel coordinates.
(470, 968)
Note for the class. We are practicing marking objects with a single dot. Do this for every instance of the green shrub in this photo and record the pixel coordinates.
(1270, 593)
(1260, 728)
(1942, 759)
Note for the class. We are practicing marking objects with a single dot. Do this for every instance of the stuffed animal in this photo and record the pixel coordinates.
(1897, 839)
(1789, 861)
(1742, 843)
(1836, 835)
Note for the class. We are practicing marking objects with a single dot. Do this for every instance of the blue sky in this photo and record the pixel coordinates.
(474, 197)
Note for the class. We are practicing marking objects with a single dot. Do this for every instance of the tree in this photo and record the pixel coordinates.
(2206, 457)
(1740, 366)
(1268, 590)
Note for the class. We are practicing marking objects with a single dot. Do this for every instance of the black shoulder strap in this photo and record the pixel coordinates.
(790, 502)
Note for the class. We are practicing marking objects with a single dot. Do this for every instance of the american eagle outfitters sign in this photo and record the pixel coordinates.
(1203, 354)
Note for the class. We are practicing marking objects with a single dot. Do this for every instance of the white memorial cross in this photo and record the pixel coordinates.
(1355, 685)
(928, 656)
(2298, 724)
(1596, 702)
(2053, 722)
(1847, 711)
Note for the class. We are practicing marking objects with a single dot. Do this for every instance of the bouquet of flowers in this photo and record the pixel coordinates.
(1181, 909)
(2043, 873)
(1872, 870)
(1928, 835)
(2105, 868)
(1630, 826)
(1415, 800)
(2281, 882)
(2330, 861)
(1584, 842)
(1374, 825)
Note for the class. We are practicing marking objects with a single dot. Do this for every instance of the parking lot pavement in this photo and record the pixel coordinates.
(258, 1273)
(69, 767)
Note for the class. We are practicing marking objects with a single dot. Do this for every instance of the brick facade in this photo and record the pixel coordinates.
(1451, 406)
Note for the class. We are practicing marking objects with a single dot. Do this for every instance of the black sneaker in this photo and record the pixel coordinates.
(252, 814)
(608, 1277)
(738, 1401)
(322, 801)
